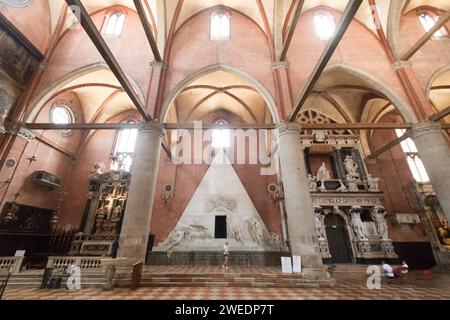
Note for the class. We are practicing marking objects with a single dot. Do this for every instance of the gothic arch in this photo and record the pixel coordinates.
(436, 75)
(393, 26)
(265, 94)
(402, 106)
(53, 89)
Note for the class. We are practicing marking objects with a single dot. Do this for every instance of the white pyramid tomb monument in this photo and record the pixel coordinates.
(220, 193)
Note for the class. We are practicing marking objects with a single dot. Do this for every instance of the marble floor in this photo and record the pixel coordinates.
(350, 284)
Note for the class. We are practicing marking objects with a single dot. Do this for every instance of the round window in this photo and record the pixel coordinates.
(61, 114)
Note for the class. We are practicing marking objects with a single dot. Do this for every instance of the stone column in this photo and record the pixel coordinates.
(435, 154)
(138, 212)
(299, 208)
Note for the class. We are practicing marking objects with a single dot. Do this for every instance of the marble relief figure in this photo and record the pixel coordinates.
(255, 230)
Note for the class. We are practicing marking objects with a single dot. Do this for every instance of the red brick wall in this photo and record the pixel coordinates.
(247, 50)
(359, 48)
(47, 158)
(75, 50)
(431, 57)
(396, 182)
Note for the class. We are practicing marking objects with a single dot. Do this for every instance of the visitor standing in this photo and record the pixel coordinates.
(225, 255)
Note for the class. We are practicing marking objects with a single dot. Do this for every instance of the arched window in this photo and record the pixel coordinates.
(124, 151)
(221, 138)
(428, 23)
(114, 24)
(412, 157)
(220, 26)
(325, 26)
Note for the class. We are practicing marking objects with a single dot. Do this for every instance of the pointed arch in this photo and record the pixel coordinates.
(372, 82)
(51, 90)
(265, 94)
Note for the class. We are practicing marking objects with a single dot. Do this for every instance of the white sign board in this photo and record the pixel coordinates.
(286, 264)
(297, 262)
(20, 253)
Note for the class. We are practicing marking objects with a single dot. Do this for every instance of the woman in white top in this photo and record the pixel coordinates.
(225, 255)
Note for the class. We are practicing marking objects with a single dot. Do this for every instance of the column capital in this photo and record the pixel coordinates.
(420, 129)
(285, 128)
(401, 64)
(43, 66)
(151, 127)
(158, 64)
(280, 65)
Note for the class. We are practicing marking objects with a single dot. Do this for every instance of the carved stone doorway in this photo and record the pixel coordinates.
(338, 239)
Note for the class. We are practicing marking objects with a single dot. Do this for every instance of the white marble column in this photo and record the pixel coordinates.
(138, 212)
(299, 207)
(435, 154)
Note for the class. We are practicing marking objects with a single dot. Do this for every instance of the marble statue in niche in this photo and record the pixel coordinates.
(373, 183)
(352, 185)
(323, 173)
(117, 213)
(342, 187)
(378, 215)
(350, 166)
(358, 226)
(312, 183)
(320, 229)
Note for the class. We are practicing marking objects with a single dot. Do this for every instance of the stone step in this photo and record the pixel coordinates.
(231, 284)
(215, 279)
(35, 280)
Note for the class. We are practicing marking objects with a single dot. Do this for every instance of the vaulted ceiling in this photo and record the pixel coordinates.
(346, 99)
(226, 95)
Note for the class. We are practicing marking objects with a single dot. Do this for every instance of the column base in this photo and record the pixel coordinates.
(315, 274)
(313, 268)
